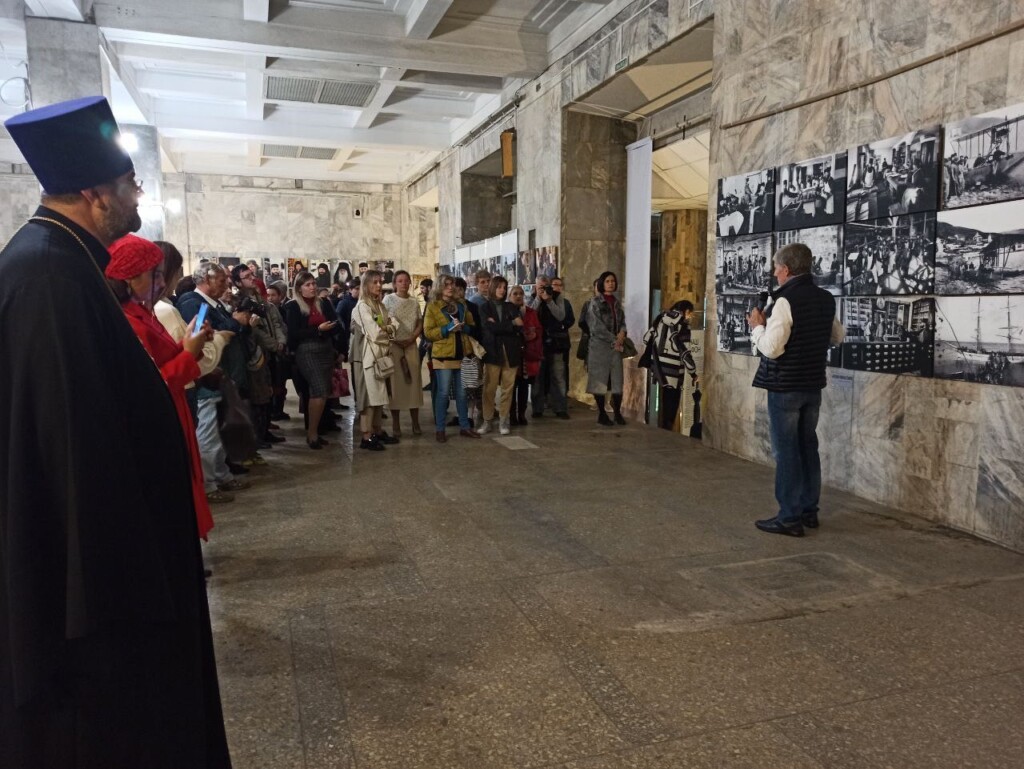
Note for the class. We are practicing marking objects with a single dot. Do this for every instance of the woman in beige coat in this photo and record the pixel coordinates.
(372, 332)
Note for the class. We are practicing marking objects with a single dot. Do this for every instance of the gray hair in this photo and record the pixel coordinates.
(202, 273)
(795, 256)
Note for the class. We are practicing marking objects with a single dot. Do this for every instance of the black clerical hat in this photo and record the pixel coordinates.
(72, 145)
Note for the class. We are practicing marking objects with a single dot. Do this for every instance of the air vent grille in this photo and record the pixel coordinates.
(337, 93)
(292, 89)
(317, 153)
(280, 151)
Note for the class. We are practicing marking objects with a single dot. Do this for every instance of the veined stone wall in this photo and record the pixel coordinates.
(19, 198)
(281, 218)
(949, 451)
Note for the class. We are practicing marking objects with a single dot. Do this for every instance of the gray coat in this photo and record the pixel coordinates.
(604, 362)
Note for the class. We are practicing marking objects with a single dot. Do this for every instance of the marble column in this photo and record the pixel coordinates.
(63, 60)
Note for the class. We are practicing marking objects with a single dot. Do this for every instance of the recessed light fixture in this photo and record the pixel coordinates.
(129, 142)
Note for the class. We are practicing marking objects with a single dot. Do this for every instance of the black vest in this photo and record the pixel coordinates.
(802, 365)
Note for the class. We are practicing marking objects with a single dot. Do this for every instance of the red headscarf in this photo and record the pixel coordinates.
(132, 256)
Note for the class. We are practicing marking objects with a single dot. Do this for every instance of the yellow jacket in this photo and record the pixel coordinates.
(436, 327)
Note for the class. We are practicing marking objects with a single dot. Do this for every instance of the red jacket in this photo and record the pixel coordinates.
(178, 368)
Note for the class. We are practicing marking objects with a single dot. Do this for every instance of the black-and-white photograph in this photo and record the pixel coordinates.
(890, 256)
(746, 203)
(893, 176)
(980, 339)
(984, 158)
(980, 250)
(743, 265)
(889, 335)
(733, 330)
(811, 193)
(526, 269)
(826, 244)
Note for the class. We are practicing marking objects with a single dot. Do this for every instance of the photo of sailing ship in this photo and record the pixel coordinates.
(746, 203)
(743, 265)
(980, 339)
(984, 158)
(980, 250)
(894, 176)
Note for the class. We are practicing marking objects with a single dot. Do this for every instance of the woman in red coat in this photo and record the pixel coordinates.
(135, 274)
(533, 352)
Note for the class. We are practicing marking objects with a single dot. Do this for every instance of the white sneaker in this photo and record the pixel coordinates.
(485, 425)
(504, 428)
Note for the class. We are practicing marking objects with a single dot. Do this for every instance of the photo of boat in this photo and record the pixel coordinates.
(980, 339)
(980, 250)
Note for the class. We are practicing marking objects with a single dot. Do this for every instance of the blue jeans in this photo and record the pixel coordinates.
(444, 378)
(794, 421)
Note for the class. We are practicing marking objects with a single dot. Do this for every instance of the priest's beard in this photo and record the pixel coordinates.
(118, 220)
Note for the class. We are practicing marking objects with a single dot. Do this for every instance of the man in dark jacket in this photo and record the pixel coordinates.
(344, 310)
(793, 338)
(556, 317)
(106, 654)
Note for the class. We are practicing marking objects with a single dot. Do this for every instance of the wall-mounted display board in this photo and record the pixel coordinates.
(921, 291)
(984, 158)
(890, 256)
(979, 339)
(743, 265)
(893, 176)
(981, 250)
(811, 193)
(826, 244)
(889, 335)
(746, 203)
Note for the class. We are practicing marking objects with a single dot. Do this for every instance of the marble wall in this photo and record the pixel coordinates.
(593, 233)
(278, 218)
(19, 197)
(949, 451)
(684, 246)
(539, 167)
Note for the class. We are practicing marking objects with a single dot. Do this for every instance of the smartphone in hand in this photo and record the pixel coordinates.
(200, 319)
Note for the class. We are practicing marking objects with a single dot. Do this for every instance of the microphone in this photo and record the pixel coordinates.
(762, 300)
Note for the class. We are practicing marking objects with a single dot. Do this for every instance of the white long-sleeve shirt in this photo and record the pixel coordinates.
(770, 340)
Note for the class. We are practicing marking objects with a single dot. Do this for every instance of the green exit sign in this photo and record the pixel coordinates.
(621, 64)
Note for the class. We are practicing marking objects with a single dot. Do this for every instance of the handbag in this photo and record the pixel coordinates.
(235, 424)
(383, 366)
(470, 373)
(339, 383)
(584, 347)
(628, 348)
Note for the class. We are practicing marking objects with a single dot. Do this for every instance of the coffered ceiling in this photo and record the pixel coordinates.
(352, 90)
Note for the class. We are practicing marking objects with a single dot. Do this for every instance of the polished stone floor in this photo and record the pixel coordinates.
(590, 598)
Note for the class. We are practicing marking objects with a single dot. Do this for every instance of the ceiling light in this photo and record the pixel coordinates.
(129, 142)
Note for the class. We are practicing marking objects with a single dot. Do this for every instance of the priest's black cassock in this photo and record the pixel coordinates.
(106, 654)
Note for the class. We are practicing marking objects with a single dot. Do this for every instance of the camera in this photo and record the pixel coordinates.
(248, 304)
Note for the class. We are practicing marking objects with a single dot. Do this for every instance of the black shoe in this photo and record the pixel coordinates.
(602, 419)
(775, 526)
(426, 388)
(343, 407)
(384, 438)
(237, 469)
(280, 417)
(271, 438)
(562, 415)
(315, 445)
(272, 426)
(522, 420)
(619, 419)
(207, 573)
(264, 445)
(330, 427)
(538, 414)
(810, 519)
(371, 444)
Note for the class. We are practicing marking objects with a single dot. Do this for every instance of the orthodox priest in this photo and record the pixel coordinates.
(106, 655)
